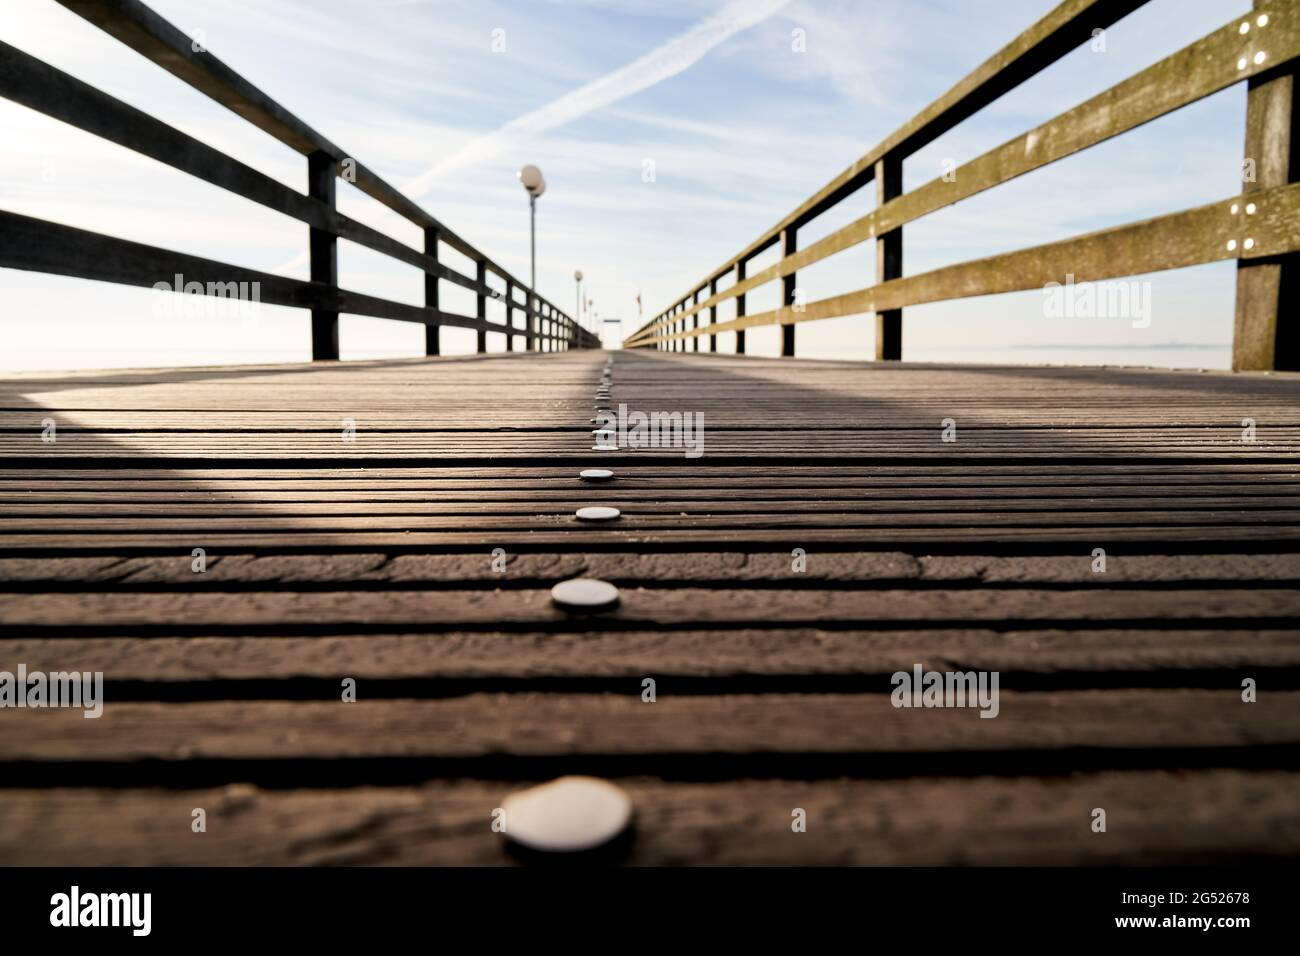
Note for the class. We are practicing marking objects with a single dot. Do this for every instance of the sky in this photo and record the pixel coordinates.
(671, 133)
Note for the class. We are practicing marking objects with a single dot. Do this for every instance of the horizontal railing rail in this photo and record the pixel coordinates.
(38, 245)
(1259, 227)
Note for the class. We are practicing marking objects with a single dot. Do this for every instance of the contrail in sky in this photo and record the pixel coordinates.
(659, 64)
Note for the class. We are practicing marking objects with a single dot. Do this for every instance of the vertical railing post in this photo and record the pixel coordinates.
(740, 308)
(1266, 329)
(510, 316)
(789, 242)
(324, 248)
(481, 275)
(695, 340)
(713, 315)
(432, 340)
(889, 258)
(530, 322)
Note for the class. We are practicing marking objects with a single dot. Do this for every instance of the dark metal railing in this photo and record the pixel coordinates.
(42, 246)
(1259, 228)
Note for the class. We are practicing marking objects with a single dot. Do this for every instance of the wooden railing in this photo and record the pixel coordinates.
(42, 246)
(1260, 228)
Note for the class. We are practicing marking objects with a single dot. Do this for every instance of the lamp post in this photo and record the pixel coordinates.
(535, 184)
(532, 180)
(577, 277)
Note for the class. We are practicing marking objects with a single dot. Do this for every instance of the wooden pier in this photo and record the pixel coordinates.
(320, 595)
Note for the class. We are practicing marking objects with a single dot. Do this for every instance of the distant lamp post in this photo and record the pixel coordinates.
(577, 277)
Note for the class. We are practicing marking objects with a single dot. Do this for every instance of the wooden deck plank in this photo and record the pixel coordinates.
(1091, 656)
(559, 726)
(1153, 818)
(843, 568)
(337, 610)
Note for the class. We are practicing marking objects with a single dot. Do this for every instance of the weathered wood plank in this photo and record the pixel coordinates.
(559, 725)
(731, 568)
(1153, 817)
(343, 610)
(1106, 658)
(1227, 535)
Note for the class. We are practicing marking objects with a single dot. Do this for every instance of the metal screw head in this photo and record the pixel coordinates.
(584, 594)
(597, 513)
(568, 815)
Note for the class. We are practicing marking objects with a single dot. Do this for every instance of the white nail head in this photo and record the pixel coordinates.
(595, 474)
(1241, 64)
(1260, 56)
(597, 513)
(567, 815)
(584, 593)
(1249, 244)
(1232, 245)
(1263, 20)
